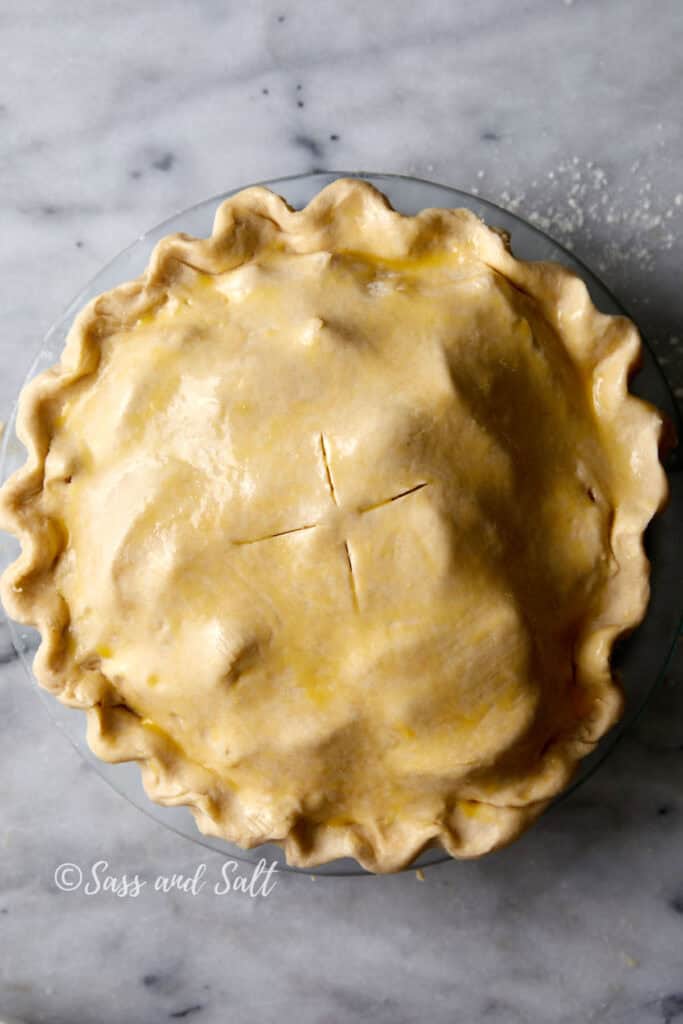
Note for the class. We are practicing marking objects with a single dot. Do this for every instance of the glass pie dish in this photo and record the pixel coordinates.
(640, 661)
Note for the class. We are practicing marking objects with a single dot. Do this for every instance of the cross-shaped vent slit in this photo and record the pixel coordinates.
(334, 497)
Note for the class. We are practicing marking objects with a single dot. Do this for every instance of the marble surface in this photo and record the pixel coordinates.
(114, 115)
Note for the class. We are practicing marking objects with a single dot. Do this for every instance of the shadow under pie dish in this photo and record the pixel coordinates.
(330, 522)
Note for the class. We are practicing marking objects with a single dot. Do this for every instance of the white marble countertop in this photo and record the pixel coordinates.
(115, 114)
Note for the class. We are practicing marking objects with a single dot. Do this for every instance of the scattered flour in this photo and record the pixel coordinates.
(577, 200)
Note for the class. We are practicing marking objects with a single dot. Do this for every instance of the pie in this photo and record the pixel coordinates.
(330, 522)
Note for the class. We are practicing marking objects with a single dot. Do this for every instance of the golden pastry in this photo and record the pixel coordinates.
(330, 521)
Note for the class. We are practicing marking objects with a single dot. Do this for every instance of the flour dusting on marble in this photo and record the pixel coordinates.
(577, 200)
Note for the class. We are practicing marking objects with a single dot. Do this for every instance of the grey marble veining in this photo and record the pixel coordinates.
(116, 114)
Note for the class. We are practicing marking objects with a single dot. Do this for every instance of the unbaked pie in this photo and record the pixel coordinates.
(330, 521)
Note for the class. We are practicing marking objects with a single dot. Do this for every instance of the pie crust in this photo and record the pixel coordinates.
(330, 521)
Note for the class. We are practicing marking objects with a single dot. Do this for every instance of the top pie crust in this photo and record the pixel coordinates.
(331, 520)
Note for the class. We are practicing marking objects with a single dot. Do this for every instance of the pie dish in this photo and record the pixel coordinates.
(330, 522)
